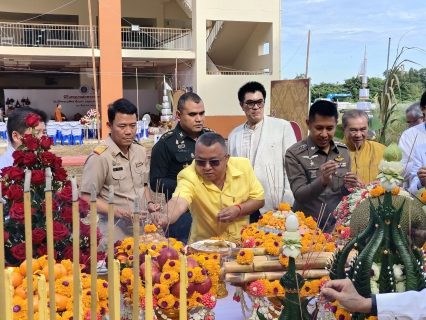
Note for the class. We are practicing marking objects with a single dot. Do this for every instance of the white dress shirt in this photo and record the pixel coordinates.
(6, 160)
(402, 305)
(418, 160)
(250, 141)
(410, 138)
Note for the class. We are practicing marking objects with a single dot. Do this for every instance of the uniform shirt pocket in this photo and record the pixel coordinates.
(119, 174)
(184, 158)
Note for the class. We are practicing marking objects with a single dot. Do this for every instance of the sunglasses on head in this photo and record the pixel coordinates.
(213, 163)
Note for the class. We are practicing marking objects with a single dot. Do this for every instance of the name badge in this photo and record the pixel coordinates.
(117, 169)
(139, 164)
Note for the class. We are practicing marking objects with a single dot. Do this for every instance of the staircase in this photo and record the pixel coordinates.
(213, 34)
(186, 6)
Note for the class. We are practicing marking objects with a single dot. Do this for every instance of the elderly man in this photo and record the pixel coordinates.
(365, 155)
(220, 191)
(263, 140)
(121, 162)
(411, 138)
(318, 168)
(17, 127)
(414, 114)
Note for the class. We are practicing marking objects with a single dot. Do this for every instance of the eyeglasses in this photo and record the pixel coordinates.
(213, 163)
(250, 103)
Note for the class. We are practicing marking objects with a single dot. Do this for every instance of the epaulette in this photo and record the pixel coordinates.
(301, 147)
(208, 129)
(100, 149)
(167, 135)
(340, 144)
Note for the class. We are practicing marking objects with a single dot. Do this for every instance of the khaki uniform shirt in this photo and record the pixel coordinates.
(106, 166)
(302, 162)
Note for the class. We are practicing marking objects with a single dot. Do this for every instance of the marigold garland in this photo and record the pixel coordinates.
(171, 265)
(160, 290)
(377, 191)
(284, 260)
(65, 287)
(245, 256)
(169, 278)
(284, 206)
(273, 247)
(310, 223)
(150, 228)
(167, 302)
(395, 191)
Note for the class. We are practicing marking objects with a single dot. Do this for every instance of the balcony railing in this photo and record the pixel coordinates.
(156, 38)
(237, 72)
(46, 35)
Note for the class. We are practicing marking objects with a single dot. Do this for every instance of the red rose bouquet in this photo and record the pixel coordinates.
(33, 155)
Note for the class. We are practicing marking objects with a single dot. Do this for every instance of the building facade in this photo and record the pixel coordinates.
(215, 45)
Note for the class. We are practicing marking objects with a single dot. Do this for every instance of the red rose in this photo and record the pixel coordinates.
(16, 211)
(18, 155)
(42, 250)
(60, 174)
(38, 235)
(66, 214)
(47, 158)
(98, 235)
(18, 251)
(55, 205)
(84, 230)
(57, 162)
(15, 192)
(60, 231)
(32, 143)
(38, 177)
(65, 195)
(83, 206)
(32, 120)
(67, 253)
(6, 236)
(5, 171)
(16, 174)
(46, 142)
(30, 159)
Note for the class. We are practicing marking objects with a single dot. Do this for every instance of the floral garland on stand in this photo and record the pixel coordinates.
(203, 277)
(34, 155)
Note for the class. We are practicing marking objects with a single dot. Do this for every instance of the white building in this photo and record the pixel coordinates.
(218, 45)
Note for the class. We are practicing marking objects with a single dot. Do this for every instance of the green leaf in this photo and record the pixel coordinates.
(375, 124)
(159, 107)
(402, 119)
(339, 132)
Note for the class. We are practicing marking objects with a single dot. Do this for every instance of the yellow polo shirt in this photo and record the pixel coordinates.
(206, 200)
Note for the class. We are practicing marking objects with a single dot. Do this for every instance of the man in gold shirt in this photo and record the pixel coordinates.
(365, 155)
(220, 191)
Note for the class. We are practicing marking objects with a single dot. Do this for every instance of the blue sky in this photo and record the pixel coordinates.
(340, 30)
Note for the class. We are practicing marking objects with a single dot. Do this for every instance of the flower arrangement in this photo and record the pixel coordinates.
(34, 155)
(387, 261)
(203, 277)
(245, 256)
(63, 273)
(25, 102)
(90, 117)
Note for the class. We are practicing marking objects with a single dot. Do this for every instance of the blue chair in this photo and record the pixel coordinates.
(3, 130)
(66, 135)
(51, 132)
(77, 136)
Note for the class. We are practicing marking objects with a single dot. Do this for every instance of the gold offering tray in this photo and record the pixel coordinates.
(212, 246)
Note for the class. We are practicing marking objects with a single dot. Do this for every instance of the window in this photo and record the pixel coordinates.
(264, 49)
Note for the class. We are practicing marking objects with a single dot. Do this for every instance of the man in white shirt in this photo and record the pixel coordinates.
(411, 138)
(401, 305)
(16, 128)
(264, 141)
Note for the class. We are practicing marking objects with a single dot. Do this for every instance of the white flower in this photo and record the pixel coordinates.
(376, 272)
(398, 272)
(291, 251)
(400, 286)
(389, 185)
(374, 287)
(390, 167)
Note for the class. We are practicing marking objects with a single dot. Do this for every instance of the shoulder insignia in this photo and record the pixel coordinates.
(100, 149)
(303, 146)
(340, 144)
(167, 134)
(208, 129)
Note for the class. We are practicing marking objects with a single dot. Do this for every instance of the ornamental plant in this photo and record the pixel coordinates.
(34, 155)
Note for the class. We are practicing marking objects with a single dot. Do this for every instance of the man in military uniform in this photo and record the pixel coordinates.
(318, 168)
(175, 151)
(121, 162)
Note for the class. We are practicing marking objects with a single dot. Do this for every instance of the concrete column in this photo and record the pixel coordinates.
(111, 80)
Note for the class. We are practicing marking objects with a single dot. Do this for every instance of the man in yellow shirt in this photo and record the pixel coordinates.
(365, 155)
(221, 192)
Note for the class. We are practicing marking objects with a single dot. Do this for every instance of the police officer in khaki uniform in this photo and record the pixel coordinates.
(121, 162)
(175, 151)
(318, 168)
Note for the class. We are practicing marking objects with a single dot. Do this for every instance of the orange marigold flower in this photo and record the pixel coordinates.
(395, 191)
(245, 256)
(423, 196)
(310, 223)
(284, 260)
(284, 206)
(377, 191)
